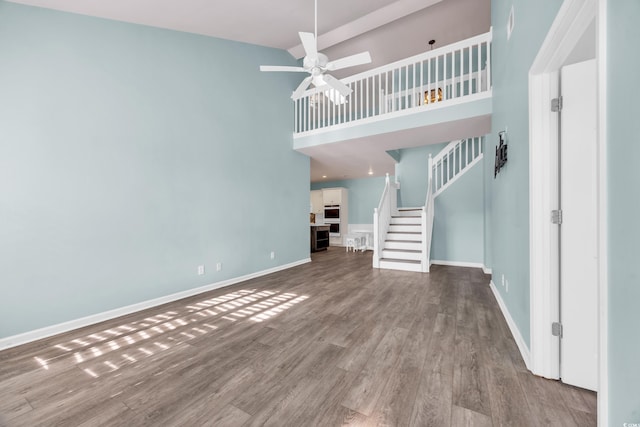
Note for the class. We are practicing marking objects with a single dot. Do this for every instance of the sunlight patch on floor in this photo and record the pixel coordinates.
(194, 321)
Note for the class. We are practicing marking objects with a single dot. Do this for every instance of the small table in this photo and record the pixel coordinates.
(355, 242)
(367, 238)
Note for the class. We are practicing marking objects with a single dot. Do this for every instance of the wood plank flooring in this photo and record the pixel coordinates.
(334, 342)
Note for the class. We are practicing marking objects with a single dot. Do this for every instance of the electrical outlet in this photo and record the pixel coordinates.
(503, 280)
(273, 255)
(219, 266)
(507, 282)
(200, 270)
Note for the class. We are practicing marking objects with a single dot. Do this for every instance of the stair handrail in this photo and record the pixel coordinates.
(381, 218)
(459, 155)
(427, 214)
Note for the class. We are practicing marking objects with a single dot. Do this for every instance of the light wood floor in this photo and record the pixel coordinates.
(330, 343)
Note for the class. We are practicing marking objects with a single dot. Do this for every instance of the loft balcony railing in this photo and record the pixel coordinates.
(452, 74)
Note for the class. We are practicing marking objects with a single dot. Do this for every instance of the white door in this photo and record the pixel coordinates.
(578, 232)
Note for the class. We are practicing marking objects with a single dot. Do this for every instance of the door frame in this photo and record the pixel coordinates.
(572, 20)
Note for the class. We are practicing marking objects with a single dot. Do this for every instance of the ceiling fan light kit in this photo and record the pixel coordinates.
(317, 64)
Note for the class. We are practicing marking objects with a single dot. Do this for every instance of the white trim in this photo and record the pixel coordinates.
(486, 270)
(603, 267)
(515, 332)
(396, 114)
(48, 331)
(572, 20)
(543, 236)
(461, 264)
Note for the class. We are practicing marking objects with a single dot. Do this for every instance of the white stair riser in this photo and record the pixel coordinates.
(405, 228)
(392, 265)
(410, 246)
(416, 212)
(404, 236)
(406, 220)
(414, 256)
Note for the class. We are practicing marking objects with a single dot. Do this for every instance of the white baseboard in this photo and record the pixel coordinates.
(463, 264)
(522, 346)
(48, 331)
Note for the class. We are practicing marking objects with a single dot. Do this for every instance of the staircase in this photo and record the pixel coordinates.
(402, 236)
(402, 249)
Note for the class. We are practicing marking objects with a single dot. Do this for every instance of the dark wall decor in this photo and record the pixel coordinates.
(501, 153)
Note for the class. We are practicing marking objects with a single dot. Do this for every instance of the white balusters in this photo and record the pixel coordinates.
(443, 168)
(426, 80)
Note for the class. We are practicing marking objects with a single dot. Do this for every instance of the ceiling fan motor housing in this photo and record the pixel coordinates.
(319, 62)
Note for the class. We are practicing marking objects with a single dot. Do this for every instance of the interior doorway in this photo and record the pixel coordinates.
(578, 25)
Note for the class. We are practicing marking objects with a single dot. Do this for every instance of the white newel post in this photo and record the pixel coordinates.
(376, 245)
(430, 169)
(424, 261)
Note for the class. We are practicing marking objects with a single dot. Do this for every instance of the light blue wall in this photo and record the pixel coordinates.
(459, 222)
(363, 194)
(509, 203)
(130, 155)
(458, 228)
(412, 173)
(488, 165)
(623, 146)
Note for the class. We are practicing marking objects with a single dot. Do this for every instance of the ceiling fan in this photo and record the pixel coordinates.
(317, 65)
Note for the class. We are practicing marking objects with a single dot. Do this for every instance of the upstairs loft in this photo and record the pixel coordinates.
(437, 96)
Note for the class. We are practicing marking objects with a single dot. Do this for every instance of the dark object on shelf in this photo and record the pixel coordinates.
(319, 238)
(501, 153)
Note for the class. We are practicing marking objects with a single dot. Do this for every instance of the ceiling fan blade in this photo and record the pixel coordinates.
(337, 85)
(300, 90)
(309, 43)
(349, 61)
(282, 68)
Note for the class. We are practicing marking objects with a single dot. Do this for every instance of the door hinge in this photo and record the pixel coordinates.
(556, 216)
(556, 104)
(556, 329)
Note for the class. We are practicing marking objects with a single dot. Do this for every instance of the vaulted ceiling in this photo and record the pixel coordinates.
(389, 29)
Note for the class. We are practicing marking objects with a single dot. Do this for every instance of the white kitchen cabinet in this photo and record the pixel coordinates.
(317, 202)
(332, 196)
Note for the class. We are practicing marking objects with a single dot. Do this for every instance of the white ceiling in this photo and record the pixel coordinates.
(345, 159)
(390, 30)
